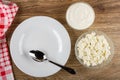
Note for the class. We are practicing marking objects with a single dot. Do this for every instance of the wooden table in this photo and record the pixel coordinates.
(107, 20)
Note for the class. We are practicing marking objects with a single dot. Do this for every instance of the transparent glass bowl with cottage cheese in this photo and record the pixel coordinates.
(105, 61)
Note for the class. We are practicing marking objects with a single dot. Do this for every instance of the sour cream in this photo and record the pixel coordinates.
(80, 15)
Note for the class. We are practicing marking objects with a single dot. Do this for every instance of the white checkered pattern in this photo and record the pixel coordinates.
(7, 14)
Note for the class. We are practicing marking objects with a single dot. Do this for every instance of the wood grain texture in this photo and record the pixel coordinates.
(107, 20)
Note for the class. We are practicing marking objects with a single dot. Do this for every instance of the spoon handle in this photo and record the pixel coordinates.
(70, 70)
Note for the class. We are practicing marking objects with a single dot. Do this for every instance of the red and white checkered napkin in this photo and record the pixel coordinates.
(7, 14)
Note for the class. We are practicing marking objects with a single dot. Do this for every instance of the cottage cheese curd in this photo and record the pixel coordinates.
(93, 49)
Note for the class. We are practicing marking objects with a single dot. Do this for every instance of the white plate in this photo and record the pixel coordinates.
(40, 33)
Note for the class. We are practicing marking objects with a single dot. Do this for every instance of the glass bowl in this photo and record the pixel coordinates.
(109, 42)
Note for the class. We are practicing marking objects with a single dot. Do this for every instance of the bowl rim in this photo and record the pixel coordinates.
(66, 15)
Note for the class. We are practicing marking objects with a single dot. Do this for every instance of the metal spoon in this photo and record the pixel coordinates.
(40, 57)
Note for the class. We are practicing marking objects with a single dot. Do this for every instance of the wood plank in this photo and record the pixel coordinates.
(107, 20)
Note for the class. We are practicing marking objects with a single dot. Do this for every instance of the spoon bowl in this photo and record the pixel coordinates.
(38, 55)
